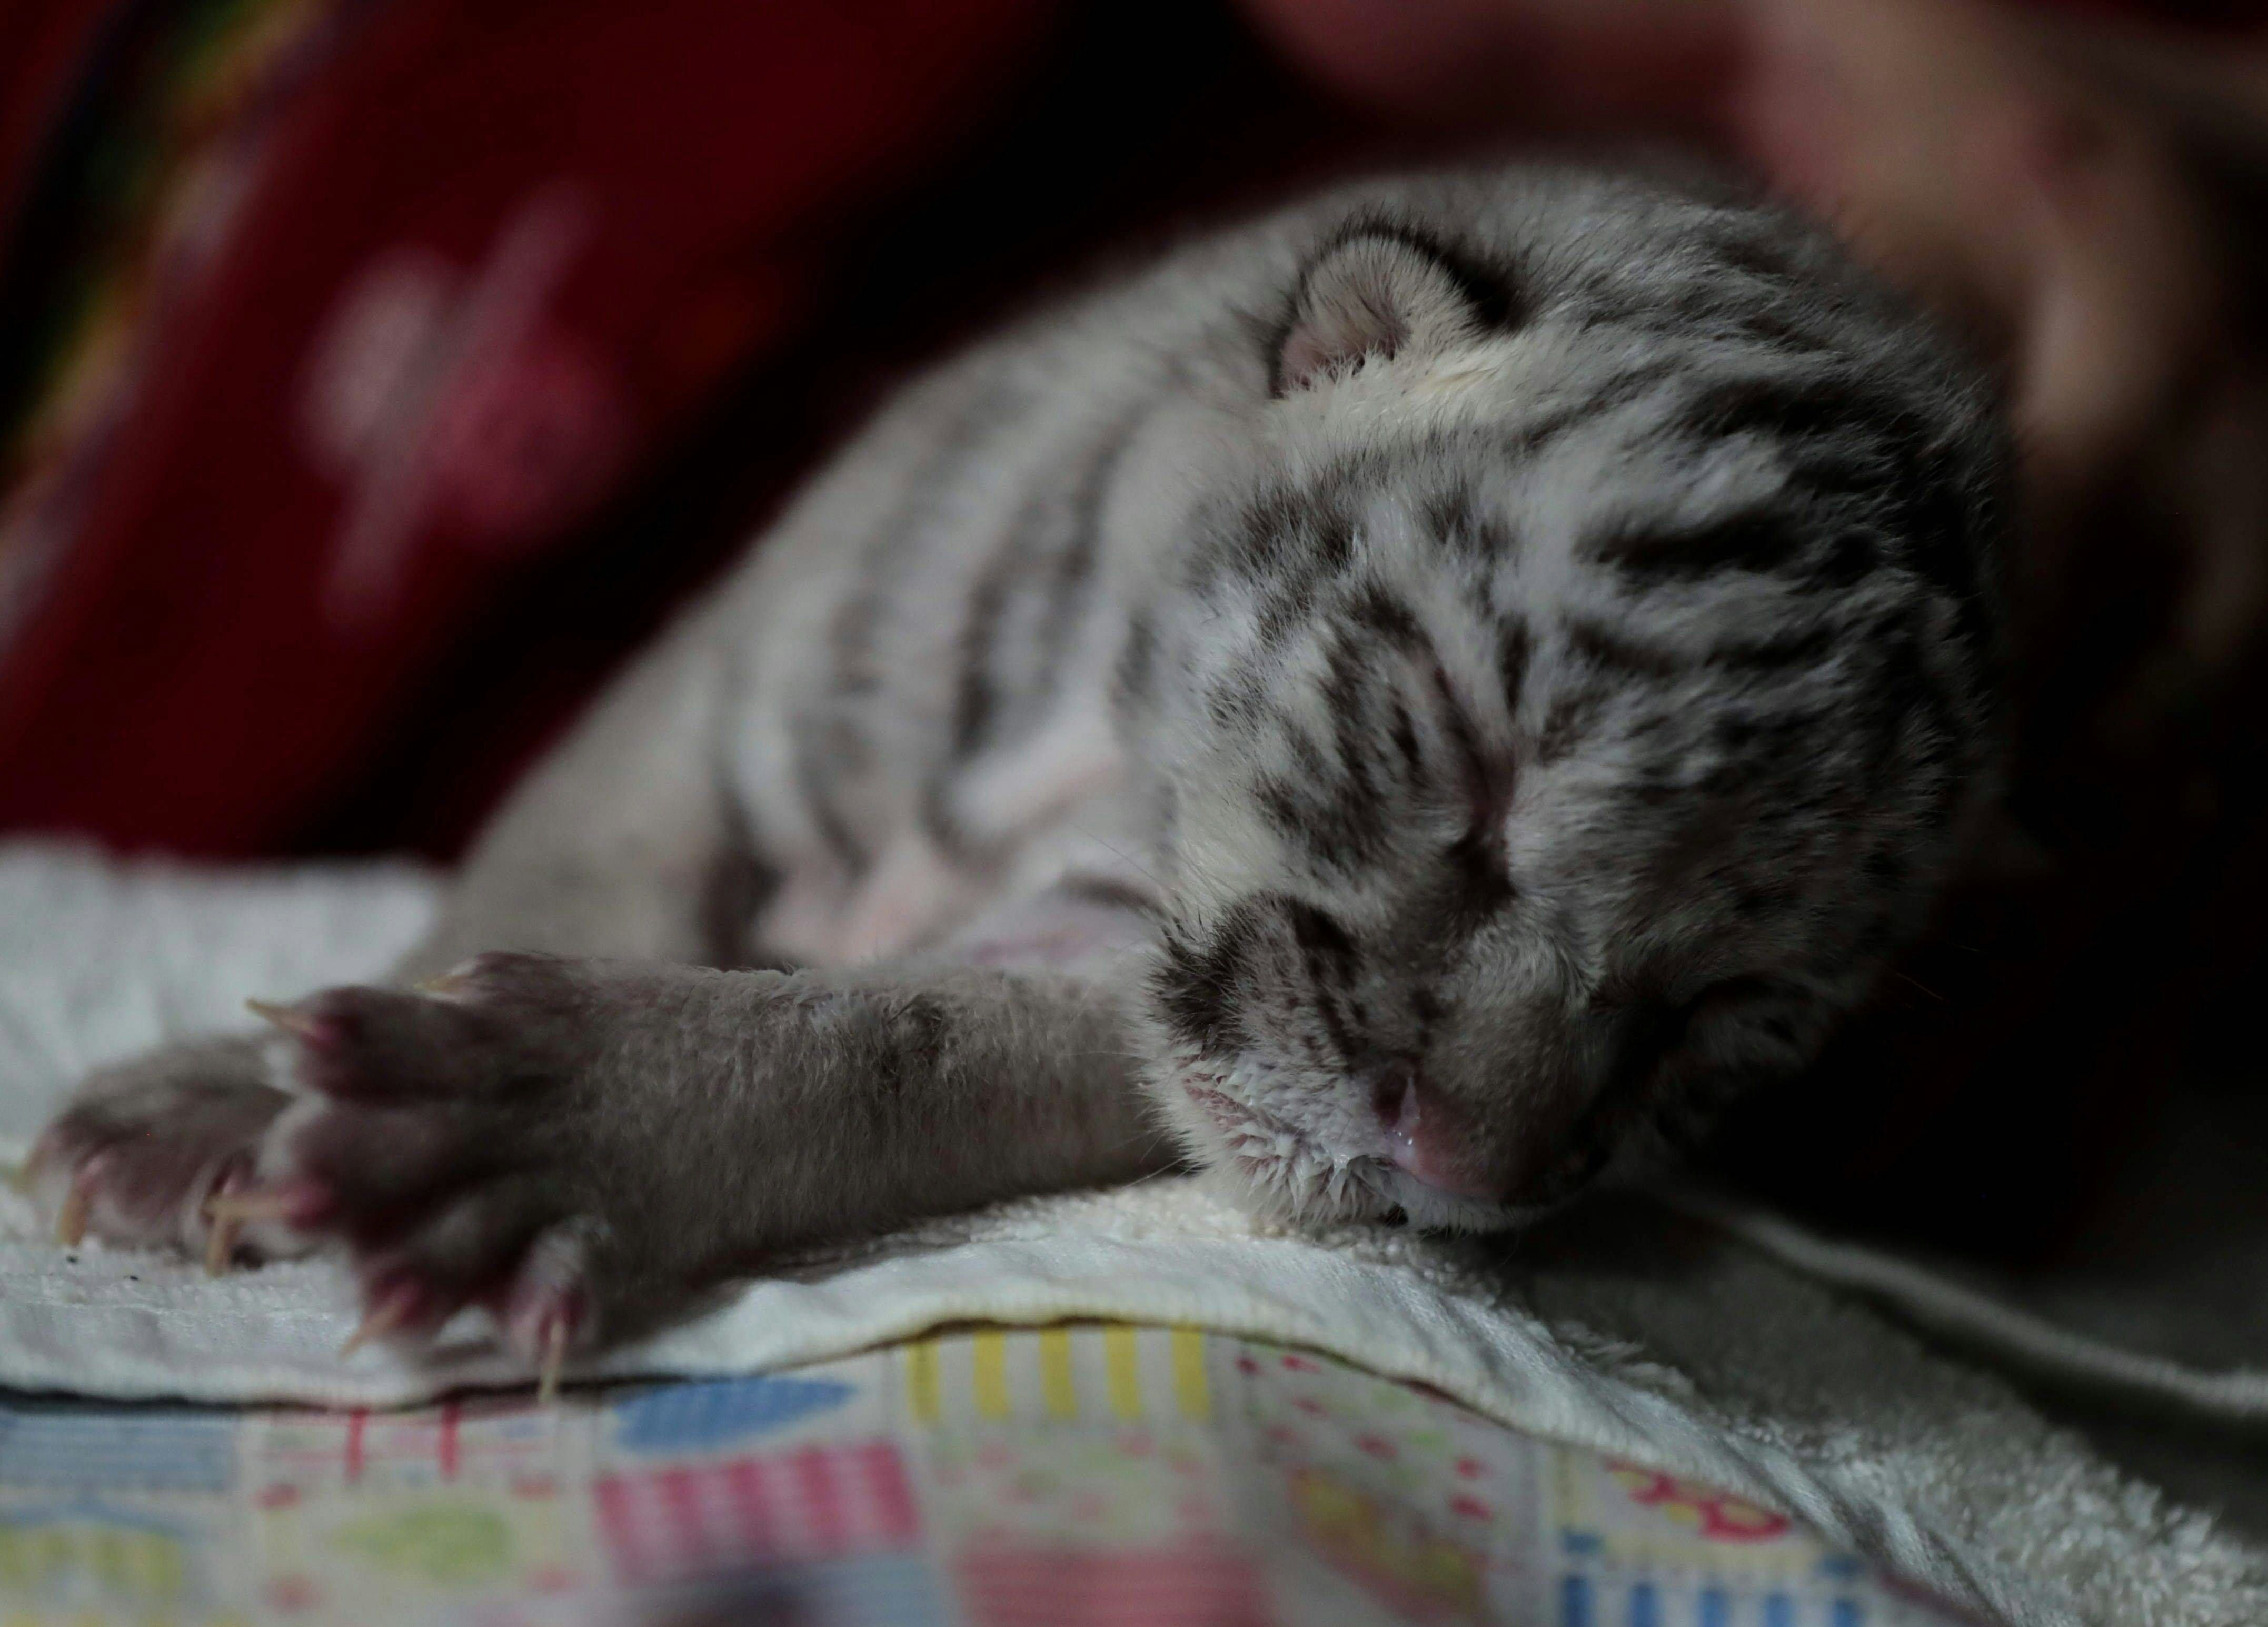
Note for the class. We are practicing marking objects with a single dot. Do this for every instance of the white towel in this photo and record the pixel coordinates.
(1631, 1328)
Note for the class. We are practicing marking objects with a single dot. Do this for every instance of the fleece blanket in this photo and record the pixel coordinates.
(1698, 1339)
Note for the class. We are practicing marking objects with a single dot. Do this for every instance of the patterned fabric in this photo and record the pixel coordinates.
(690, 1520)
(1079, 1476)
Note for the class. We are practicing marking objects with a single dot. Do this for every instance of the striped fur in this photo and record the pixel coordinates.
(1422, 697)
(1529, 633)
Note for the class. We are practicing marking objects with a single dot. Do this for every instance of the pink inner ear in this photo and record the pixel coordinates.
(1336, 332)
(1305, 354)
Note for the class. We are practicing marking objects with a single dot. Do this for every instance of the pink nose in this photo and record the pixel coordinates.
(1427, 1138)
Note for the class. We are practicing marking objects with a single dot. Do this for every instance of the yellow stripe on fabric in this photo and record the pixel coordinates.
(1190, 1387)
(990, 1350)
(1121, 1368)
(921, 1380)
(166, 1580)
(1055, 1387)
(108, 1558)
(150, 1566)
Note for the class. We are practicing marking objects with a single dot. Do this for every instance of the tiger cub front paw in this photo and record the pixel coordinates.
(148, 1152)
(470, 1142)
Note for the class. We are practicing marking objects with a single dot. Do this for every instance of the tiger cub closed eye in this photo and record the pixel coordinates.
(1420, 697)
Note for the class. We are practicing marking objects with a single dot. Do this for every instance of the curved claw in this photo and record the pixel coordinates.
(390, 1313)
(285, 1203)
(224, 1214)
(554, 1360)
(71, 1218)
(290, 1019)
(220, 1242)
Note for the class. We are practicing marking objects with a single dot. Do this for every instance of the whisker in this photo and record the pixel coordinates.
(1116, 852)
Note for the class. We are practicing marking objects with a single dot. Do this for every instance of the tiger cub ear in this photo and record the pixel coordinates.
(1379, 292)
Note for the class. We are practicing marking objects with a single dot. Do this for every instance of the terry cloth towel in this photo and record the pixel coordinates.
(1706, 1340)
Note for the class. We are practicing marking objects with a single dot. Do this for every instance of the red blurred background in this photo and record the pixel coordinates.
(373, 372)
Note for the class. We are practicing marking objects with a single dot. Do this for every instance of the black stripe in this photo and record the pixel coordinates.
(1807, 648)
(1336, 819)
(1566, 721)
(1632, 385)
(827, 750)
(1282, 805)
(1886, 866)
(1075, 560)
(1758, 736)
(1329, 533)
(1604, 646)
(1138, 659)
(1377, 611)
(1346, 690)
(1463, 735)
(1753, 540)
(1050, 524)
(851, 633)
(828, 747)
(1947, 516)
(1848, 557)
(1937, 495)
(1403, 732)
(1848, 438)
(1899, 699)
(1768, 258)
(1235, 700)
(1291, 605)
(974, 697)
(1196, 983)
(1249, 540)
(737, 887)
(1330, 960)
(1455, 520)
(1515, 653)
(1483, 880)
(1448, 513)
(1795, 406)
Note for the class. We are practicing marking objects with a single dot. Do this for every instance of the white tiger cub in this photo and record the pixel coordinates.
(1406, 703)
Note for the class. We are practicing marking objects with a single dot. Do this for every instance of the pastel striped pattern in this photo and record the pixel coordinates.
(820, 1503)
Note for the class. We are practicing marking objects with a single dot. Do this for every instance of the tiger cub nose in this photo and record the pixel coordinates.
(1426, 1135)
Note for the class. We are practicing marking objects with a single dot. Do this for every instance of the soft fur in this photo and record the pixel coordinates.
(1421, 696)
